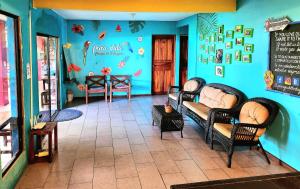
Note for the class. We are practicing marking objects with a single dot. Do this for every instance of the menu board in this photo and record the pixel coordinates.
(285, 59)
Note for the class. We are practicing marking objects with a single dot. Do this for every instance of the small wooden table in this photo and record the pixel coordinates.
(48, 129)
(167, 121)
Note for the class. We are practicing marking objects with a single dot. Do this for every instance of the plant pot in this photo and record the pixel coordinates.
(168, 108)
(70, 96)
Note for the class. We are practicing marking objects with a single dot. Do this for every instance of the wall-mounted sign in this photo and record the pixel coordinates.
(277, 24)
(112, 50)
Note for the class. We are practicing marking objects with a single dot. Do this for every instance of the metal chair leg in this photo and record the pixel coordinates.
(264, 152)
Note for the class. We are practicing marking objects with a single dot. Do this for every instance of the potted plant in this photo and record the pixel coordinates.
(168, 107)
(70, 95)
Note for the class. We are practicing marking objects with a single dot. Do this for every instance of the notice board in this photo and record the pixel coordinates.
(285, 59)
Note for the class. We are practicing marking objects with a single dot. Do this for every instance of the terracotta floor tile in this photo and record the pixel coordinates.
(88, 185)
(129, 183)
(191, 171)
(215, 174)
(104, 157)
(173, 178)
(164, 162)
(147, 171)
(83, 171)
(58, 180)
(104, 177)
(125, 166)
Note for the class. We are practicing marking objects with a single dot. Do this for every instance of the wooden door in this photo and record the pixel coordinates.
(183, 60)
(162, 63)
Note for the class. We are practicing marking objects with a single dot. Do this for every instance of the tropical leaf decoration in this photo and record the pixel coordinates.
(96, 24)
(207, 23)
(136, 26)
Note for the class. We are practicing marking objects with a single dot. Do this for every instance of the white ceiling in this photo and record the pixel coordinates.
(103, 15)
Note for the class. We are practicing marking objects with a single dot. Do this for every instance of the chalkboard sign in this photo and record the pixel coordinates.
(285, 59)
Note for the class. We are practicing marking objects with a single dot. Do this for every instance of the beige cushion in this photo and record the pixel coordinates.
(226, 129)
(216, 98)
(254, 113)
(200, 109)
(190, 85)
(174, 96)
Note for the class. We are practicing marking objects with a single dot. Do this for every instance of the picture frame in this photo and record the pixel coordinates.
(211, 59)
(204, 60)
(212, 48)
(239, 41)
(237, 55)
(228, 45)
(247, 58)
(248, 32)
(230, 34)
(219, 56)
(206, 49)
(202, 46)
(221, 29)
(201, 37)
(219, 71)
(221, 38)
(249, 48)
(212, 38)
(239, 28)
(228, 58)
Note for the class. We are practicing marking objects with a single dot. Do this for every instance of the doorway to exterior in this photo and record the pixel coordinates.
(163, 56)
(48, 75)
(183, 64)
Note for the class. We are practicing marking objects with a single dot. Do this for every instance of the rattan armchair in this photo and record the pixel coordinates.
(190, 90)
(243, 127)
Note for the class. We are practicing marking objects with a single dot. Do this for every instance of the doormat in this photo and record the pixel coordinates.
(60, 116)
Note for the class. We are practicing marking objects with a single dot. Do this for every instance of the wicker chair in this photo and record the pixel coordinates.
(95, 84)
(243, 127)
(193, 86)
(203, 116)
(120, 83)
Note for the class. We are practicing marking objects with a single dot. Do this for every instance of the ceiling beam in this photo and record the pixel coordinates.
(194, 6)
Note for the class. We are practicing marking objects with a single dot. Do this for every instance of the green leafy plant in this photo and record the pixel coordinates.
(207, 23)
(136, 26)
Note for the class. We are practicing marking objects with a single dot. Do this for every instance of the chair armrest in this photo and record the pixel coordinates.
(219, 115)
(172, 87)
(245, 129)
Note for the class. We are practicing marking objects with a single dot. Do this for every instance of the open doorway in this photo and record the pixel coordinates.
(163, 53)
(48, 75)
(183, 65)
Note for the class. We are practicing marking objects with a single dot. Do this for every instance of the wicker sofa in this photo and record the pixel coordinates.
(192, 86)
(213, 97)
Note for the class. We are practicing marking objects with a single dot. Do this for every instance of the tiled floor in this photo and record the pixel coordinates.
(115, 146)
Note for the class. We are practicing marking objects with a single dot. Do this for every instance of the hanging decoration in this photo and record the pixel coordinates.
(136, 26)
(79, 29)
(102, 35)
(141, 51)
(269, 79)
(106, 70)
(84, 50)
(118, 28)
(138, 73)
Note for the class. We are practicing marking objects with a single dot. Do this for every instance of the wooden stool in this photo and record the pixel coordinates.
(47, 130)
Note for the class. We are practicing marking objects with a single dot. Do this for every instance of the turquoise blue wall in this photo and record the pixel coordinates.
(47, 22)
(282, 138)
(142, 83)
(21, 9)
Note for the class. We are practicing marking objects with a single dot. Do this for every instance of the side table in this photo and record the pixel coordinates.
(49, 129)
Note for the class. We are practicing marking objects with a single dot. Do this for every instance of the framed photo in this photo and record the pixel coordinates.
(221, 29)
(202, 46)
(212, 38)
(228, 45)
(204, 60)
(211, 59)
(220, 38)
(237, 55)
(212, 48)
(201, 37)
(249, 48)
(239, 28)
(207, 39)
(219, 56)
(206, 49)
(239, 41)
(248, 32)
(230, 34)
(228, 58)
(247, 58)
(219, 71)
